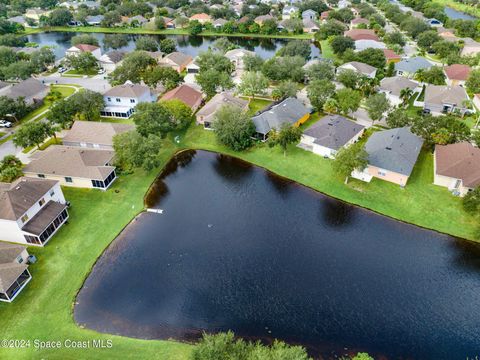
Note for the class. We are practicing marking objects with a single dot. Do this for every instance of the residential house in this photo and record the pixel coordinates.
(289, 11)
(120, 101)
(169, 23)
(360, 68)
(343, 4)
(262, 18)
(324, 16)
(178, 61)
(309, 14)
(137, 20)
(94, 20)
(36, 14)
(408, 67)
(357, 21)
(193, 67)
(202, 18)
(14, 274)
(457, 167)
(391, 56)
(361, 34)
(470, 47)
(206, 115)
(94, 135)
(20, 20)
(76, 50)
(236, 57)
(456, 74)
(392, 154)
(31, 90)
(111, 60)
(440, 99)
(434, 23)
(331, 133)
(447, 34)
(361, 45)
(392, 87)
(187, 94)
(31, 210)
(290, 111)
(310, 26)
(73, 166)
(219, 23)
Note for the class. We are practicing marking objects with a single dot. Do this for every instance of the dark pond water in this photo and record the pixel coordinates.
(239, 248)
(455, 15)
(191, 45)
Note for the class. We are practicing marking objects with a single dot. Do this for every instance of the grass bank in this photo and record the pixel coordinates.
(44, 310)
(121, 30)
(467, 9)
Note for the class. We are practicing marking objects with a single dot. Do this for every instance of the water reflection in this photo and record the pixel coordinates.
(280, 184)
(335, 213)
(232, 169)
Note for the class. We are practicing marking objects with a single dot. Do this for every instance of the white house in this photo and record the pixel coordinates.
(14, 274)
(31, 210)
(288, 11)
(111, 60)
(330, 134)
(309, 14)
(82, 48)
(392, 87)
(120, 101)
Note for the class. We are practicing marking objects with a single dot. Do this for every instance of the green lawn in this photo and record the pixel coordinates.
(46, 144)
(44, 310)
(2, 133)
(126, 30)
(327, 51)
(77, 73)
(257, 105)
(459, 7)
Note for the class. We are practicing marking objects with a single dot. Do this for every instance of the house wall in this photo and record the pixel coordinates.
(451, 82)
(125, 101)
(9, 231)
(302, 120)
(76, 182)
(390, 176)
(88, 145)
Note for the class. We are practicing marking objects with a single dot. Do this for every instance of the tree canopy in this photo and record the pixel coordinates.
(233, 128)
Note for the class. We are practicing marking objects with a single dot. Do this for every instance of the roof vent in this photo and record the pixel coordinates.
(388, 148)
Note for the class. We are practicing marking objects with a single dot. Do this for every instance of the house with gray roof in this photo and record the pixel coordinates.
(330, 134)
(392, 88)
(309, 14)
(392, 154)
(358, 67)
(441, 99)
(290, 111)
(206, 115)
(120, 101)
(31, 90)
(408, 67)
(73, 166)
(31, 210)
(94, 20)
(14, 274)
(111, 60)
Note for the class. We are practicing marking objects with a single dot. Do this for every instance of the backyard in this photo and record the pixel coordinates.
(97, 217)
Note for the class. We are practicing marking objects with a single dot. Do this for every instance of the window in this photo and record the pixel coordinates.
(52, 193)
(118, 100)
(24, 218)
(382, 173)
(20, 259)
(42, 176)
(132, 101)
(68, 179)
(32, 239)
(41, 202)
(109, 99)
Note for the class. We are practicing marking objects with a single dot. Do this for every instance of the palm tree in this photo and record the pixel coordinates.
(330, 106)
(405, 95)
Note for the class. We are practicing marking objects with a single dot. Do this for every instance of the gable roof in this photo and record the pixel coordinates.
(85, 47)
(128, 90)
(289, 111)
(238, 53)
(361, 34)
(333, 131)
(95, 132)
(179, 58)
(184, 93)
(201, 16)
(394, 85)
(9, 273)
(359, 20)
(9, 252)
(390, 54)
(360, 67)
(457, 72)
(394, 150)
(72, 162)
(26, 88)
(224, 98)
(16, 198)
(459, 161)
(412, 65)
(113, 56)
(441, 94)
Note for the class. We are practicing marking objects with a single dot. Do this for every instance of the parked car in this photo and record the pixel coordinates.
(61, 70)
(5, 124)
(101, 71)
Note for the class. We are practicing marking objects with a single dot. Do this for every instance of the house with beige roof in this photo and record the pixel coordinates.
(392, 88)
(76, 50)
(440, 99)
(94, 135)
(31, 210)
(178, 61)
(202, 18)
(14, 274)
(457, 167)
(120, 101)
(73, 166)
(206, 115)
(359, 67)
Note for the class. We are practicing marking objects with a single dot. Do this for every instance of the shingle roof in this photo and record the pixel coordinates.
(440, 94)
(289, 111)
(9, 252)
(361, 34)
(333, 131)
(179, 58)
(86, 47)
(394, 150)
(16, 198)
(72, 162)
(457, 72)
(93, 132)
(44, 218)
(224, 98)
(459, 161)
(412, 65)
(360, 67)
(114, 56)
(9, 273)
(184, 93)
(128, 90)
(26, 88)
(394, 85)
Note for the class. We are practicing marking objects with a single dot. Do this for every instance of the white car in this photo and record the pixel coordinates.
(5, 124)
(101, 71)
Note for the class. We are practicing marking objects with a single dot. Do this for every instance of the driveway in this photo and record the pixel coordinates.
(7, 148)
(97, 83)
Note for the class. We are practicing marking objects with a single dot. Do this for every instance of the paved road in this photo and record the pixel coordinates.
(95, 84)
